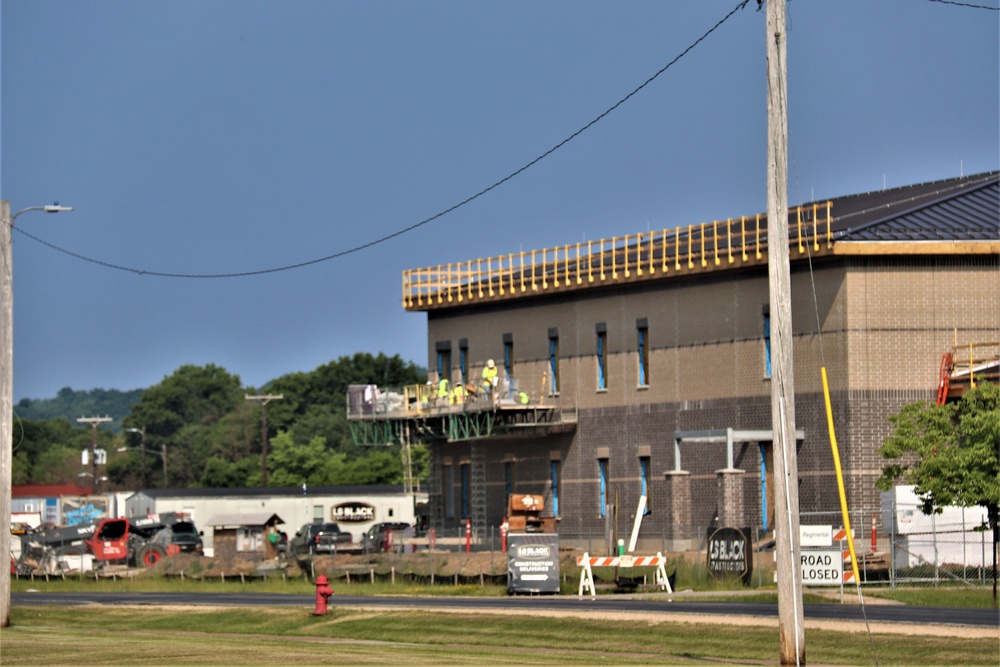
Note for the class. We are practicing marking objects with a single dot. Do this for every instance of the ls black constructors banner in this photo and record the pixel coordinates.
(533, 563)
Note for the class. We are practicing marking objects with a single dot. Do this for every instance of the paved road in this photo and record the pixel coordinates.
(605, 603)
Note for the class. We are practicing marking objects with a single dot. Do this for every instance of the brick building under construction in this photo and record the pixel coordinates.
(639, 365)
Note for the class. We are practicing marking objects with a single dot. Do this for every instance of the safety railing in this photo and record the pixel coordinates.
(641, 256)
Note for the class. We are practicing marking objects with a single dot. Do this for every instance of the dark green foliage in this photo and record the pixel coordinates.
(212, 433)
(69, 404)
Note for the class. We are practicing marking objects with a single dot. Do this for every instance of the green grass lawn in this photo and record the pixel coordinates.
(95, 635)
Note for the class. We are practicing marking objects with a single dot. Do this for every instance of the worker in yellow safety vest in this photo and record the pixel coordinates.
(490, 378)
(443, 389)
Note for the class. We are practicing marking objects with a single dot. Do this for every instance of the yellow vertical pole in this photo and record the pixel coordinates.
(829, 230)
(704, 263)
(729, 239)
(690, 249)
(652, 244)
(743, 236)
(758, 236)
(523, 288)
(815, 227)
(798, 215)
(715, 240)
(972, 376)
(614, 257)
(677, 248)
(579, 279)
(534, 284)
(840, 478)
(590, 264)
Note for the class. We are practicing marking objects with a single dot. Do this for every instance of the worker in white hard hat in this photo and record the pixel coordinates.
(490, 379)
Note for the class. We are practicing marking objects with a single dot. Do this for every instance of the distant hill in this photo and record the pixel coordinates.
(71, 405)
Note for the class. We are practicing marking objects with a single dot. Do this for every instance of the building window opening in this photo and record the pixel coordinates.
(642, 333)
(465, 489)
(602, 356)
(508, 356)
(644, 484)
(602, 466)
(449, 492)
(463, 360)
(554, 361)
(508, 482)
(554, 473)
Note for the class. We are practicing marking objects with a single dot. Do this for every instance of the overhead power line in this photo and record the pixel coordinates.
(450, 209)
(966, 4)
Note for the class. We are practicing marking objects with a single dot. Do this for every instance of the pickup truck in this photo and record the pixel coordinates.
(320, 538)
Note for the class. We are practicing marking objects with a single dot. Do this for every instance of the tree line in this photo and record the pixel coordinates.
(213, 434)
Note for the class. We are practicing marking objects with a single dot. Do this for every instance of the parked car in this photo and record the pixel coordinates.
(376, 539)
(320, 538)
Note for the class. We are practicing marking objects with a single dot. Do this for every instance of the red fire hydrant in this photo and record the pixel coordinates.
(323, 593)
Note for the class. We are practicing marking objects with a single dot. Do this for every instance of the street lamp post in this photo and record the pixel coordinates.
(162, 454)
(7, 388)
(142, 451)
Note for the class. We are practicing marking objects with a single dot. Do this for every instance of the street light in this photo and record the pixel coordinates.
(7, 387)
(162, 454)
(142, 448)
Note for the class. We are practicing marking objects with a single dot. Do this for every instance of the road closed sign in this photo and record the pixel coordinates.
(822, 568)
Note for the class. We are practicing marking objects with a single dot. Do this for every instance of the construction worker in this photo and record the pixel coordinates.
(442, 392)
(490, 379)
(458, 394)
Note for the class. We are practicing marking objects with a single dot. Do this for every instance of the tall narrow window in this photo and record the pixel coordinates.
(642, 333)
(443, 349)
(508, 355)
(465, 489)
(463, 359)
(644, 477)
(554, 474)
(554, 360)
(767, 340)
(508, 482)
(602, 356)
(602, 466)
(449, 491)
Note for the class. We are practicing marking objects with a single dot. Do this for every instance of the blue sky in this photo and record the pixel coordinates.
(227, 136)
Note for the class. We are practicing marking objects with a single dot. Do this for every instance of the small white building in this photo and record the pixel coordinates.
(355, 508)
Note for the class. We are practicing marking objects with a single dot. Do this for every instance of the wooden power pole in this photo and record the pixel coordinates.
(791, 631)
(263, 400)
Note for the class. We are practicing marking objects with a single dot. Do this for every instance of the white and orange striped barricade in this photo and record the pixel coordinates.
(587, 563)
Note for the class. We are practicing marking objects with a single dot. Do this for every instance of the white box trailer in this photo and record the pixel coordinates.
(946, 538)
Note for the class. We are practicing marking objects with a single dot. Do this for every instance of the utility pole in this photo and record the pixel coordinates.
(94, 423)
(263, 400)
(7, 387)
(791, 630)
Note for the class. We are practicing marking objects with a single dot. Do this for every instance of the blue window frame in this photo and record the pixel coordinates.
(602, 356)
(508, 356)
(602, 465)
(444, 364)
(449, 491)
(508, 482)
(644, 476)
(554, 360)
(463, 360)
(642, 333)
(465, 489)
(554, 473)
